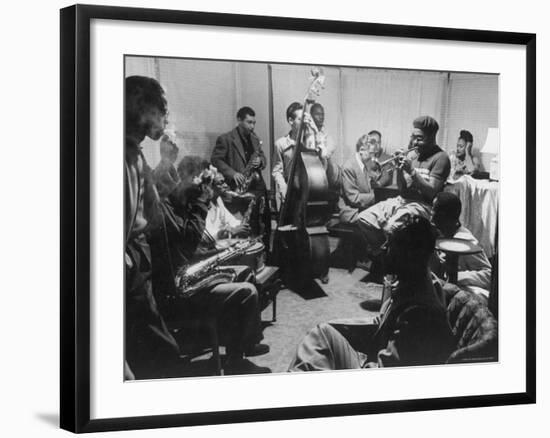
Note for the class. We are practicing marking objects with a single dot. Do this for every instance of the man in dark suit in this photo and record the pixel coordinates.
(239, 157)
(239, 151)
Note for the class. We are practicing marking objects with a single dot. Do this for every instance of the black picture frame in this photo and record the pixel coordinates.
(75, 215)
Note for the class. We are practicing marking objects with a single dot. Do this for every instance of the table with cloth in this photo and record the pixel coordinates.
(479, 198)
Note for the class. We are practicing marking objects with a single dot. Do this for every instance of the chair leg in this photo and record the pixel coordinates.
(274, 304)
(213, 328)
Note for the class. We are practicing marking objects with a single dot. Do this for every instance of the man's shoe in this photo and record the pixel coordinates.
(257, 350)
(243, 366)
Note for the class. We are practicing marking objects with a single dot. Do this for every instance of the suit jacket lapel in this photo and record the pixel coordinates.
(238, 144)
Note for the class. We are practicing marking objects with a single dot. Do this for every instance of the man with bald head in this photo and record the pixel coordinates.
(419, 179)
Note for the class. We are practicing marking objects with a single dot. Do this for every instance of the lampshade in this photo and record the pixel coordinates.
(492, 142)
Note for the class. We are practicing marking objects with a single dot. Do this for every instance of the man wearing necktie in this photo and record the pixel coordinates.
(357, 192)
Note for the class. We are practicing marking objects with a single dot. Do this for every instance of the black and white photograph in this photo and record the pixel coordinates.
(285, 217)
(275, 219)
(280, 218)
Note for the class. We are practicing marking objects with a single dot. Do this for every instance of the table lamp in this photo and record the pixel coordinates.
(491, 146)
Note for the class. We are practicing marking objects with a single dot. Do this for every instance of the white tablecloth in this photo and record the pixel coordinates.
(479, 199)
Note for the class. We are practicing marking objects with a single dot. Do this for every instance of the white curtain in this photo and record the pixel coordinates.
(473, 106)
(205, 95)
(388, 101)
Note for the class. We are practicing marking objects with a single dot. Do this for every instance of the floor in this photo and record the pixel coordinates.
(296, 315)
(347, 295)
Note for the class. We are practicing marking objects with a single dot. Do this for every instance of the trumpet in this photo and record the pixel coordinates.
(398, 157)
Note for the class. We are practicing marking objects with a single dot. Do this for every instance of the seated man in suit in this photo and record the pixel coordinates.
(357, 193)
(238, 155)
(381, 177)
(474, 270)
(412, 328)
(419, 180)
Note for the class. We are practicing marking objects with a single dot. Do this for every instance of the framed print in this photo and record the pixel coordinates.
(271, 218)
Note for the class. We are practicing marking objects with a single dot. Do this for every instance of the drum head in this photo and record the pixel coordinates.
(457, 246)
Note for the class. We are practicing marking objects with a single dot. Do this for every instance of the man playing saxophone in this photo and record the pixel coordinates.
(175, 245)
(239, 157)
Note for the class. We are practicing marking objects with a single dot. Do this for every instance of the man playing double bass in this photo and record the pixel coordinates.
(318, 210)
(314, 139)
(238, 155)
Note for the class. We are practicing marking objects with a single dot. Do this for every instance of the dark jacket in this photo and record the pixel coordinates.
(148, 343)
(229, 156)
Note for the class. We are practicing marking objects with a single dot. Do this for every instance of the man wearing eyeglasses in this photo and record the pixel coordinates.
(382, 177)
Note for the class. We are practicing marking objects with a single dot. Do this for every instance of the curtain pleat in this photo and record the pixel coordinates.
(204, 97)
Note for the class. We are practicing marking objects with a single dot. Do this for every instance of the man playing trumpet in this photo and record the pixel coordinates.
(419, 180)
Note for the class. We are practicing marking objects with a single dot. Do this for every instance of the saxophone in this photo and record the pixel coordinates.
(250, 173)
(248, 213)
(190, 279)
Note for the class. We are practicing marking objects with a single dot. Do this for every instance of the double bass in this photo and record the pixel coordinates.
(301, 244)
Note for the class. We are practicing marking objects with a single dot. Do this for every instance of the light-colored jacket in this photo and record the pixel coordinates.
(356, 193)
